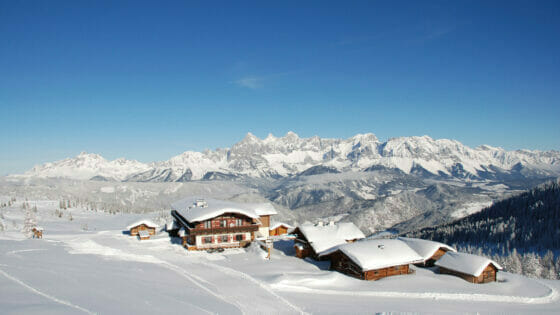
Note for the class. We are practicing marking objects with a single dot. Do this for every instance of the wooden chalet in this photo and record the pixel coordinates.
(37, 232)
(280, 229)
(210, 223)
(472, 268)
(143, 225)
(373, 259)
(430, 251)
(312, 240)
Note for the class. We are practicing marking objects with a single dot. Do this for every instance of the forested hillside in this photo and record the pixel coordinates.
(521, 232)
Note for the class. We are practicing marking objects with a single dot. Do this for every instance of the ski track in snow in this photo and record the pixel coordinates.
(50, 297)
(93, 248)
(15, 252)
(550, 297)
(90, 247)
(79, 246)
(264, 286)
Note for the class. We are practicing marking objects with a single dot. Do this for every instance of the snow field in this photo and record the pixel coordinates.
(102, 270)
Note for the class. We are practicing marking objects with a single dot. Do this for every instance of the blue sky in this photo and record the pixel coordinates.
(149, 80)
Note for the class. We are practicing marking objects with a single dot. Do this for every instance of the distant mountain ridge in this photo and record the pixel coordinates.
(280, 157)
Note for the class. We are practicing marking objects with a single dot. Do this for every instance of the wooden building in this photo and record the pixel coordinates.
(37, 232)
(220, 224)
(373, 259)
(430, 251)
(144, 234)
(472, 268)
(313, 240)
(142, 225)
(280, 229)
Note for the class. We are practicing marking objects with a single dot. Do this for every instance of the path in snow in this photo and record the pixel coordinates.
(549, 298)
(250, 295)
(50, 297)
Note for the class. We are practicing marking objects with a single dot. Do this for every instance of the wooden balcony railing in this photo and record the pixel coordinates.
(223, 230)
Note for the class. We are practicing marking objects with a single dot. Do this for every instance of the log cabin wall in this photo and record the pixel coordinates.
(265, 221)
(488, 275)
(377, 274)
(340, 262)
(134, 231)
(281, 230)
(303, 252)
(302, 241)
(437, 255)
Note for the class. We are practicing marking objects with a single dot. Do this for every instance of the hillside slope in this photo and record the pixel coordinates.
(523, 231)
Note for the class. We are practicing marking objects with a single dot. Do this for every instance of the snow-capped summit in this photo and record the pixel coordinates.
(290, 155)
(87, 165)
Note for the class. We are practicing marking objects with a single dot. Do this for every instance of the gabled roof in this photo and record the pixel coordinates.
(425, 248)
(324, 237)
(279, 224)
(372, 254)
(466, 263)
(146, 222)
(185, 207)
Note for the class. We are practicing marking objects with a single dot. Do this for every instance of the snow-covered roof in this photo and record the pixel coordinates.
(215, 207)
(38, 228)
(146, 222)
(379, 253)
(144, 233)
(466, 263)
(182, 232)
(278, 224)
(171, 225)
(324, 237)
(425, 248)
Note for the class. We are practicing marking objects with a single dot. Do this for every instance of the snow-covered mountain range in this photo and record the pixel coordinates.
(280, 157)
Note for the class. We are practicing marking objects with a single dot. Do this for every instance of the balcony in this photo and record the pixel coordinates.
(225, 230)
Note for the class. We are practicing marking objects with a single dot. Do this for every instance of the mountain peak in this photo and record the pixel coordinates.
(290, 154)
(366, 137)
(291, 135)
(250, 138)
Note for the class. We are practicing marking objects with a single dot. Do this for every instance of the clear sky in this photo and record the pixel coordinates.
(149, 80)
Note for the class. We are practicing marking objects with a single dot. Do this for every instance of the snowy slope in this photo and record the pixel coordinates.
(100, 270)
(290, 155)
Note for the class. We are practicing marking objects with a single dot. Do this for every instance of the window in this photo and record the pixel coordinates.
(207, 240)
(223, 223)
(224, 239)
(239, 237)
(208, 224)
(239, 222)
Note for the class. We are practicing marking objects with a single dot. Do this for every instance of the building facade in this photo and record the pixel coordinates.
(220, 224)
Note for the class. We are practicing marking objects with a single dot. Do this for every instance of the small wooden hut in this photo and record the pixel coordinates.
(142, 225)
(313, 240)
(280, 229)
(37, 232)
(143, 235)
(472, 268)
(373, 259)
